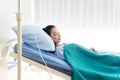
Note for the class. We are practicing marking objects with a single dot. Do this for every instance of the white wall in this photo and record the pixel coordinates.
(8, 8)
(88, 22)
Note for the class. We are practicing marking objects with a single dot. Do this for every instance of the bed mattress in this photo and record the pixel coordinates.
(52, 60)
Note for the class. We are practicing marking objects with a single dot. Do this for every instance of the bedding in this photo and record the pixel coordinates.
(89, 65)
(52, 60)
(36, 37)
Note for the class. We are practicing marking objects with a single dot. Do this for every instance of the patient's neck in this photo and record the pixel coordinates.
(58, 44)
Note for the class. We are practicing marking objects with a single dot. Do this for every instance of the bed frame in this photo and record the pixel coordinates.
(41, 66)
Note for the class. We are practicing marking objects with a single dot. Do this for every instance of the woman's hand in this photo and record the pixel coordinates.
(93, 49)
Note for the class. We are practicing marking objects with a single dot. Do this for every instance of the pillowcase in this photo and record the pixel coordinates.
(36, 37)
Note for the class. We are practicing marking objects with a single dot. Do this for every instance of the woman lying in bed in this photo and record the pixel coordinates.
(54, 33)
(85, 63)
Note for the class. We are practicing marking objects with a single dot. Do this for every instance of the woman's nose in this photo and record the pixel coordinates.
(59, 35)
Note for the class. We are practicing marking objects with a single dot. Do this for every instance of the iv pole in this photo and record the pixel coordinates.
(19, 48)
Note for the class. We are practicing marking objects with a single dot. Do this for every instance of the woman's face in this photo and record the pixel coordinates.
(55, 35)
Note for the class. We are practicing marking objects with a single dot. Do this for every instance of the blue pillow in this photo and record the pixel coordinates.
(36, 37)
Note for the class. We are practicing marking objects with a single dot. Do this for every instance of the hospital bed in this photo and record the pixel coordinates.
(32, 56)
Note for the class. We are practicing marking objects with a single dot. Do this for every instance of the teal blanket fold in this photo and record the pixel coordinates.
(89, 65)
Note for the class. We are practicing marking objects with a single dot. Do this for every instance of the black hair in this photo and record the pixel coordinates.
(48, 29)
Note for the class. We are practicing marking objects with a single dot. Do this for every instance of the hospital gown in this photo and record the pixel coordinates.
(59, 51)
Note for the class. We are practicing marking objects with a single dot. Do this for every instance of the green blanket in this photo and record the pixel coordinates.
(89, 65)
